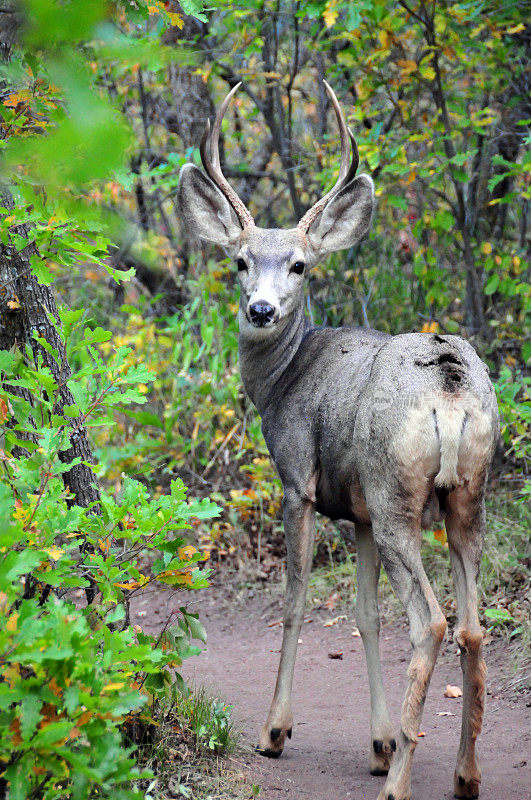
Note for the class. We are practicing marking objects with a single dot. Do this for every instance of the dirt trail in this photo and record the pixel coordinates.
(327, 757)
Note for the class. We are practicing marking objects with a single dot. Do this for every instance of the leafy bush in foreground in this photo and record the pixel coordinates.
(71, 673)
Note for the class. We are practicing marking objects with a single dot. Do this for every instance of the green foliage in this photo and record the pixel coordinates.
(72, 674)
(512, 390)
(209, 721)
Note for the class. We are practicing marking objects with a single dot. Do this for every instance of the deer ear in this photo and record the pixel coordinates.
(345, 219)
(205, 210)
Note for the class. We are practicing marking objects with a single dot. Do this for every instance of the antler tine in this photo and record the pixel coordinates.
(343, 132)
(346, 172)
(216, 128)
(209, 150)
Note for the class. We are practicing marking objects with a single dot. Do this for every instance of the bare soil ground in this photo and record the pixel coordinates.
(327, 757)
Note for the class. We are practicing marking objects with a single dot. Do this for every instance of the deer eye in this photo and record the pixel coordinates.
(298, 267)
(240, 263)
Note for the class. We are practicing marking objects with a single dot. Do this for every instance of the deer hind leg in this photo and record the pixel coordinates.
(399, 545)
(299, 527)
(465, 525)
(383, 743)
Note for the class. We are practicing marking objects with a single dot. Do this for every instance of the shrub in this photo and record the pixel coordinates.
(70, 673)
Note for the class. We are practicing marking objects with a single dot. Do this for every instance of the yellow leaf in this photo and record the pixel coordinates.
(113, 687)
(131, 585)
(411, 177)
(195, 431)
(440, 23)
(175, 19)
(330, 13)
(517, 28)
(12, 100)
(428, 73)
(510, 361)
(486, 248)
(11, 624)
(384, 37)
(407, 65)
(185, 553)
(13, 304)
(54, 552)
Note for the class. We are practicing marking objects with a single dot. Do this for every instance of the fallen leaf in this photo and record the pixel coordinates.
(356, 632)
(487, 639)
(453, 691)
(275, 623)
(334, 621)
(421, 733)
(339, 654)
(445, 714)
(440, 535)
(331, 603)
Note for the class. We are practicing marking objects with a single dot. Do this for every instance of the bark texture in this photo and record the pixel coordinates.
(26, 307)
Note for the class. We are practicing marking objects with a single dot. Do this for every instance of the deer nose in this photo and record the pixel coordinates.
(261, 313)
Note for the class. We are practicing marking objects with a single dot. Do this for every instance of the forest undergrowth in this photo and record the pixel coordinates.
(130, 458)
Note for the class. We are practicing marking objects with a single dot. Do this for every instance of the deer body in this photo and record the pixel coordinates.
(380, 383)
(391, 433)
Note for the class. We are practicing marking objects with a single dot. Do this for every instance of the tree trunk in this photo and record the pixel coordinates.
(26, 307)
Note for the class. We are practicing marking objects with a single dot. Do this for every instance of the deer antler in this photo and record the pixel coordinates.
(209, 149)
(346, 172)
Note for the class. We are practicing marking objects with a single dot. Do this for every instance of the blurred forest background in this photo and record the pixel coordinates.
(118, 337)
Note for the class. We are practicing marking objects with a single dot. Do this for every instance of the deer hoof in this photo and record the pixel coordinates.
(381, 755)
(393, 796)
(268, 753)
(272, 741)
(466, 787)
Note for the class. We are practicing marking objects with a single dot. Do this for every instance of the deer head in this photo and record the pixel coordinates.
(272, 262)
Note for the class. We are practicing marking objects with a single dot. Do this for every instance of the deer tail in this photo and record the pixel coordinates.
(449, 422)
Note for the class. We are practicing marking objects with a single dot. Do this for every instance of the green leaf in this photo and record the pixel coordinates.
(30, 709)
(41, 270)
(7, 360)
(492, 284)
(197, 629)
(194, 8)
(52, 733)
(498, 614)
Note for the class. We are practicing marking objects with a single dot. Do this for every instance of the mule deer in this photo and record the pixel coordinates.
(389, 432)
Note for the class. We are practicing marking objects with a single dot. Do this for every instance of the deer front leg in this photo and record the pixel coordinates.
(399, 546)
(383, 743)
(465, 524)
(299, 527)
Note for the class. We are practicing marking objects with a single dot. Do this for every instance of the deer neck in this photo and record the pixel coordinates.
(264, 359)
